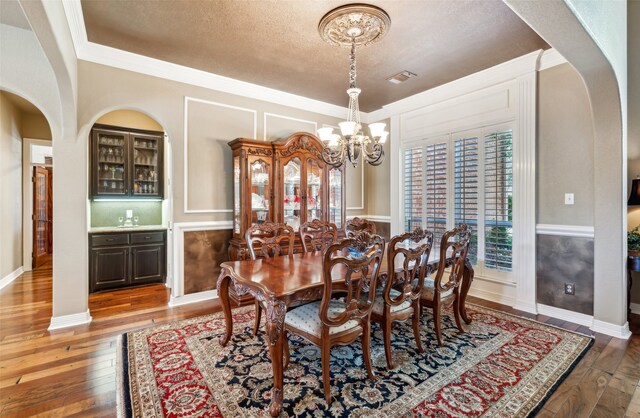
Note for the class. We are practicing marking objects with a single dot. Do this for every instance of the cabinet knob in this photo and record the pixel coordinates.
(147, 237)
(110, 239)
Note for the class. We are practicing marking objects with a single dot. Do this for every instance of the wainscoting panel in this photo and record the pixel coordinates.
(203, 253)
(560, 260)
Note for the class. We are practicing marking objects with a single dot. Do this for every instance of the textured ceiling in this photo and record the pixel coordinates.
(276, 43)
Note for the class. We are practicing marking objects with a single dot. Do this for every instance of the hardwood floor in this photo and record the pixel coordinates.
(71, 372)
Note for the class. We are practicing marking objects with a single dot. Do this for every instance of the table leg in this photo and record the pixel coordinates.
(467, 279)
(223, 293)
(274, 318)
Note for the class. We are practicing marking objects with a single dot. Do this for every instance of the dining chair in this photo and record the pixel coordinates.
(317, 235)
(268, 240)
(443, 292)
(355, 225)
(399, 299)
(350, 270)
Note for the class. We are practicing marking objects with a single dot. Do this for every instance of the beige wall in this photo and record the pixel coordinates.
(11, 186)
(213, 119)
(35, 126)
(564, 148)
(129, 119)
(378, 181)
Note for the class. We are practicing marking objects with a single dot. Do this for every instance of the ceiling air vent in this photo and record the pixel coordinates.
(401, 77)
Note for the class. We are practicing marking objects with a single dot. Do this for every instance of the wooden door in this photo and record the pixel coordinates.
(40, 215)
(109, 268)
(147, 264)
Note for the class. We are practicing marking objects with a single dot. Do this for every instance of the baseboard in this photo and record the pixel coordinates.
(72, 320)
(565, 315)
(193, 298)
(635, 308)
(6, 280)
(617, 331)
(492, 296)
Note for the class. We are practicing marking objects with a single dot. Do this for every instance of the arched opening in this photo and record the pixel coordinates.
(27, 174)
(129, 206)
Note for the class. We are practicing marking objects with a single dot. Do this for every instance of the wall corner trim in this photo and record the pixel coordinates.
(617, 331)
(565, 315)
(566, 230)
(6, 280)
(72, 320)
(193, 298)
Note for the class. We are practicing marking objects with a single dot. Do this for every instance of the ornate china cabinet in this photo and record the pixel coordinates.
(283, 181)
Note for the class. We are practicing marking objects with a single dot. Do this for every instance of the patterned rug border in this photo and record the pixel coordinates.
(123, 390)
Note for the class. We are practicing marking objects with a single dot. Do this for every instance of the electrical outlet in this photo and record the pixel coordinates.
(570, 288)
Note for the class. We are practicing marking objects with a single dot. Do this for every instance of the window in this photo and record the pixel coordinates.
(464, 177)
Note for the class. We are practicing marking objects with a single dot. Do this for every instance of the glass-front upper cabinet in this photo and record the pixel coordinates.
(126, 163)
(292, 196)
(315, 190)
(146, 165)
(110, 172)
(261, 190)
(335, 196)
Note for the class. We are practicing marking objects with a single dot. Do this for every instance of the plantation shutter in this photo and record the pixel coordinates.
(466, 182)
(412, 188)
(435, 191)
(498, 198)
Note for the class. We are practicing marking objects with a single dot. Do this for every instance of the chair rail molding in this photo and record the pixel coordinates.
(177, 287)
(565, 230)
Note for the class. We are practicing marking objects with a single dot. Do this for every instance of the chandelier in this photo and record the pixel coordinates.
(350, 26)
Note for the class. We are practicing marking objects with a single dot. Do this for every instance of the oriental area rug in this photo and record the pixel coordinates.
(502, 366)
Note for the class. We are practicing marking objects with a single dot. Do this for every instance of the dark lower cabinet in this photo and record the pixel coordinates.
(125, 259)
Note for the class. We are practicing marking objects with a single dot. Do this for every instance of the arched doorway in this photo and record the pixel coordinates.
(27, 203)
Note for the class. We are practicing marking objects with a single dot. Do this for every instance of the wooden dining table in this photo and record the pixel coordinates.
(286, 281)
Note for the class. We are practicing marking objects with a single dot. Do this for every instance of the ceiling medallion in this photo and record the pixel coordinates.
(361, 24)
(353, 25)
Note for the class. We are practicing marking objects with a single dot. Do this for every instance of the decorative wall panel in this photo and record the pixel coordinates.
(203, 253)
(560, 260)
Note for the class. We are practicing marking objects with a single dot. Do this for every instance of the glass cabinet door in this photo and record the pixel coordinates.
(111, 167)
(236, 195)
(260, 187)
(292, 193)
(335, 197)
(145, 165)
(314, 190)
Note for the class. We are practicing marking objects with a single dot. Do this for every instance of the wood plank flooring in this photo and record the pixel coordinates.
(71, 372)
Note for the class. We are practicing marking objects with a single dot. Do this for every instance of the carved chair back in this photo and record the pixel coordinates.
(356, 260)
(269, 239)
(454, 247)
(317, 235)
(355, 225)
(407, 261)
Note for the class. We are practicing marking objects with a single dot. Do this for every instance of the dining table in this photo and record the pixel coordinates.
(286, 281)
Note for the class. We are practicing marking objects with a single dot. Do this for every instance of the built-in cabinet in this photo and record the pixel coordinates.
(283, 181)
(126, 163)
(125, 259)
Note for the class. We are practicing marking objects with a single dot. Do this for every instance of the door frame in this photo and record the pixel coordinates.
(27, 199)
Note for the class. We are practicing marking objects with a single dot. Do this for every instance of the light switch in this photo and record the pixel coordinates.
(568, 199)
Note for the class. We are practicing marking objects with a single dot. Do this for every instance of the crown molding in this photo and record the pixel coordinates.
(550, 58)
(112, 57)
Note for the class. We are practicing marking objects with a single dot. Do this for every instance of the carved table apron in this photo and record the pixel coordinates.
(285, 281)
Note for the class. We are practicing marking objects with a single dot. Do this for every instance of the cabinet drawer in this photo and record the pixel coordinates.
(109, 239)
(147, 237)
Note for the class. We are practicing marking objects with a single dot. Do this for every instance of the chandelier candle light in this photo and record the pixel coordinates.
(354, 25)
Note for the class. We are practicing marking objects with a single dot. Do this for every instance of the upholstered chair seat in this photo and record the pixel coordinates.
(378, 303)
(428, 290)
(306, 318)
